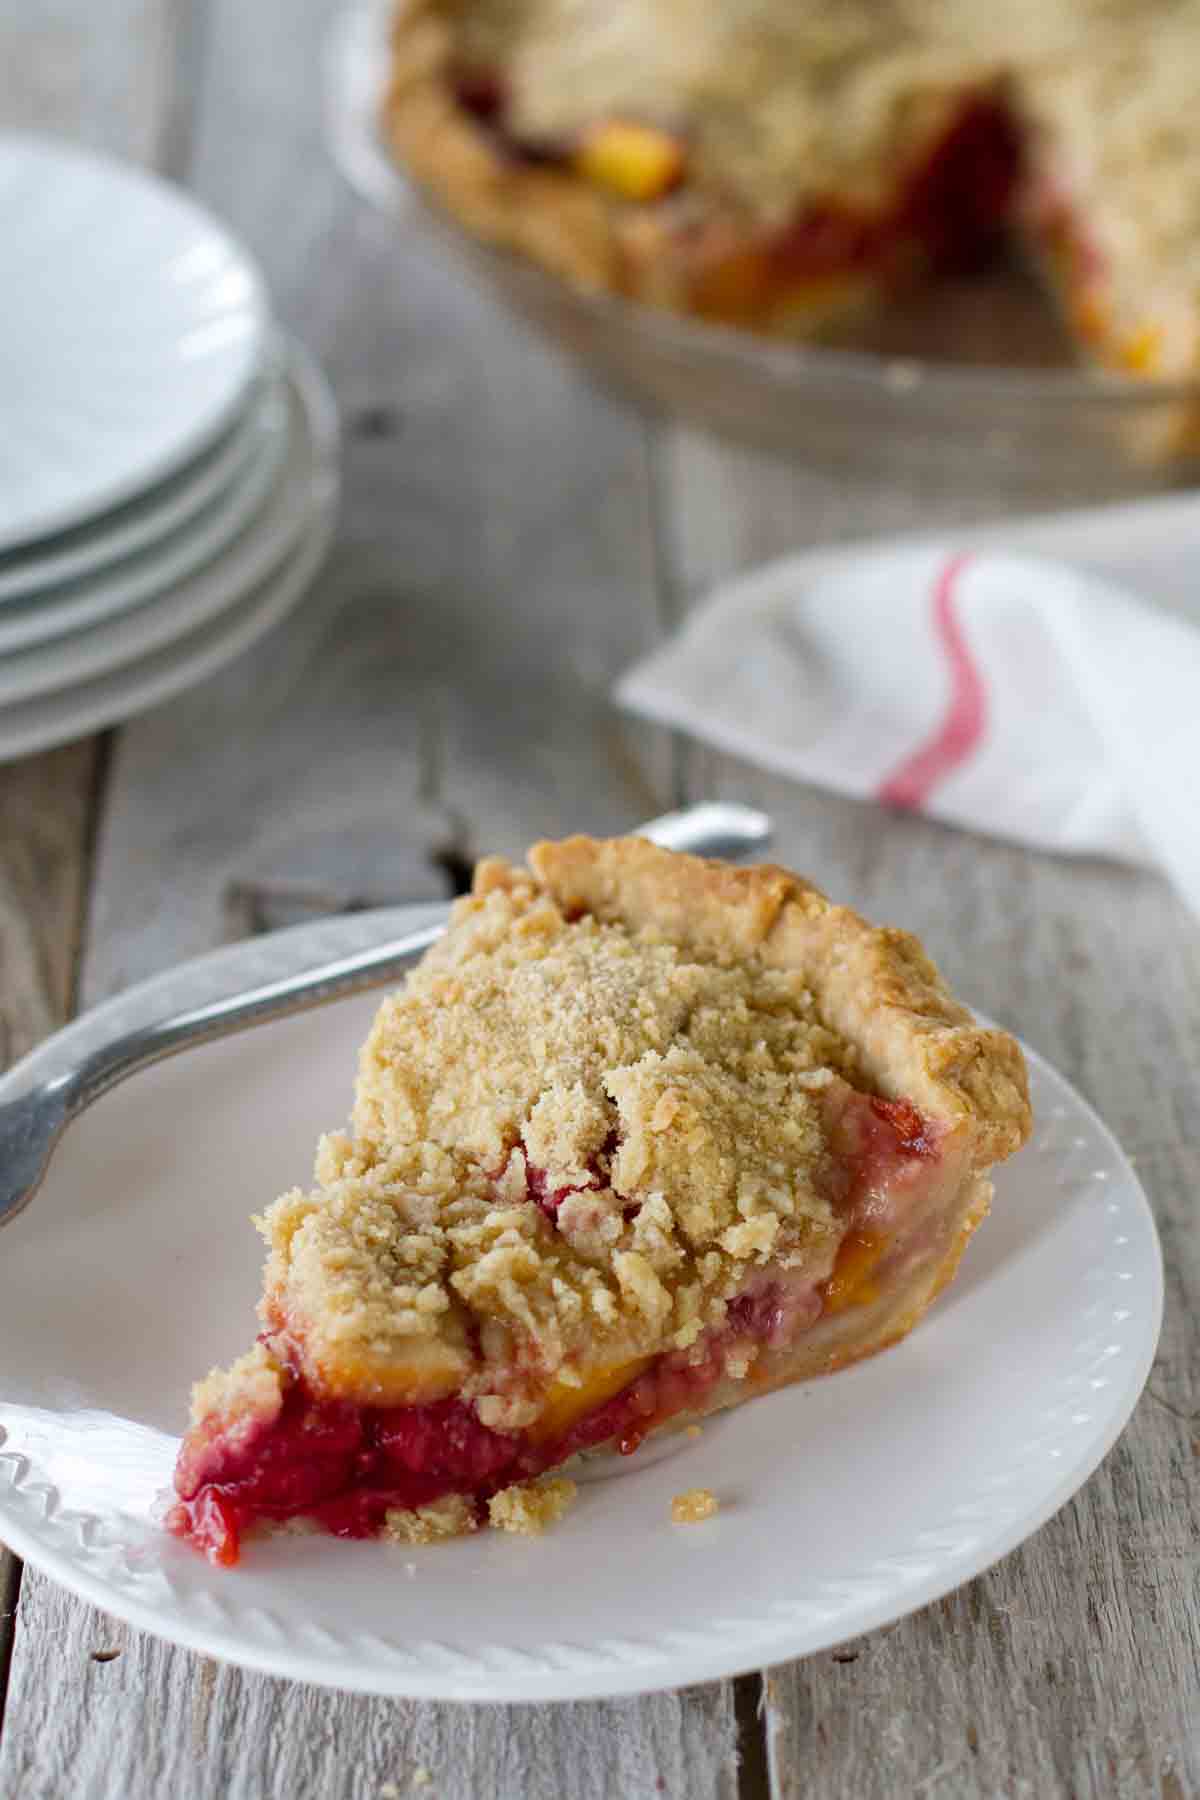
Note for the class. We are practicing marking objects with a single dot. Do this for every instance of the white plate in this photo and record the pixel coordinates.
(153, 679)
(131, 327)
(144, 521)
(153, 574)
(135, 1269)
(234, 552)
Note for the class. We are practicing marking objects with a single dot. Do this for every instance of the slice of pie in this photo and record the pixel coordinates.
(785, 166)
(642, 1137)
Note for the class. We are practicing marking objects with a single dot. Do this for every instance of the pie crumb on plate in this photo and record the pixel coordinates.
(530, 1506)
(694, 1505)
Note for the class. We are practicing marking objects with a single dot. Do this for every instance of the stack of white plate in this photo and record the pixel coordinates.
(168, 464)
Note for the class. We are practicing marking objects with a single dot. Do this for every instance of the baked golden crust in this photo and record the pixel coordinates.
(874, 986)
(545, 214)
(1112, 214)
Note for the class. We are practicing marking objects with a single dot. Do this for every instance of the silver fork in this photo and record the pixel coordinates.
(31, 1125)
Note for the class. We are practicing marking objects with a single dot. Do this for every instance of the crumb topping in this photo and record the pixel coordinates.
(529, 1507)
(1118, 136)
(451, 1516)
(572, 1143)
(694, 1505)
(776, 105)
(250, 1391)
(772, 100)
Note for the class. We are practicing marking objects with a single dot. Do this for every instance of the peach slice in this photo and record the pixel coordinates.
(635, 162)
(565, 1403)
(852, 1283)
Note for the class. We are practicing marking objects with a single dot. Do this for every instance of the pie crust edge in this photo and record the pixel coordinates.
(875, 985)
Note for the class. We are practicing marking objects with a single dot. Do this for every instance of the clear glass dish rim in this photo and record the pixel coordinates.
(355, 63)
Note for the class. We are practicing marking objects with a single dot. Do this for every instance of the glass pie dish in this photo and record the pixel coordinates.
(974, 373)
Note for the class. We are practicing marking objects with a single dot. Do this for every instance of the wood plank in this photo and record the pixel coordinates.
(99, 75)
(151, 1720)
(725, 507)
(45, 808)
(443, 690)
(45, 813)
(1070, 1669)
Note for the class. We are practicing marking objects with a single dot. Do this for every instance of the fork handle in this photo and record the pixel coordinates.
(138, 1049)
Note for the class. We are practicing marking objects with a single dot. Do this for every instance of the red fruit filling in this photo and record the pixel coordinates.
(952, 207)
(906, 1122)
(947, 217)
(346, 1466)
(343, 1465)
(962, 196)
(549, 1199)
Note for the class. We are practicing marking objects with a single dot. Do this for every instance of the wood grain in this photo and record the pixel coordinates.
(153, 1720)
(45, 808)
(510, 540)
(1071, 1669)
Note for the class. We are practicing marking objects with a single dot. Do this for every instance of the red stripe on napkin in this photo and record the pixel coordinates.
(961, 731)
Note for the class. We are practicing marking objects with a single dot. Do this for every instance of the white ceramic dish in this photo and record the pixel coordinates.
(153, 679)
(153, 516)
(136, 1269)
(131, 328)
(155, 577)
(183, 585)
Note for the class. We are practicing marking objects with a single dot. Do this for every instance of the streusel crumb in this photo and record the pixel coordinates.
(530, 1506)
(671, 1102)
(691, 1507)
(452, 1516)
(250, 1390)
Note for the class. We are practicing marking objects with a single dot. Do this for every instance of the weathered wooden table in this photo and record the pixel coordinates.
(511, 539)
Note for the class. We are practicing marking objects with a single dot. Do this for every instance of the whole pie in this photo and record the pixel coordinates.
(786, 164)
(643, 1136)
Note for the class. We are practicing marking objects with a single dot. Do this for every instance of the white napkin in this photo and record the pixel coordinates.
(1019, 697)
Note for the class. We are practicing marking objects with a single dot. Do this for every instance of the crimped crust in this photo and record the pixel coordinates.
(874, 986)
(545, 214)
